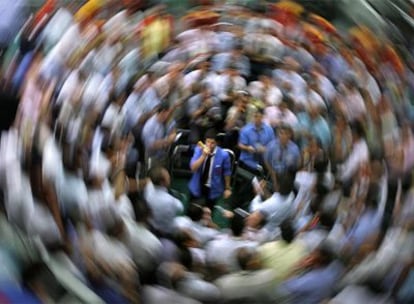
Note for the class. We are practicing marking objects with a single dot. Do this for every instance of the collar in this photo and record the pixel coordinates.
(258, 128)
(214, 152)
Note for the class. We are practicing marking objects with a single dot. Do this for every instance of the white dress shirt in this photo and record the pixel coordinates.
(358, 156)
(164, 207)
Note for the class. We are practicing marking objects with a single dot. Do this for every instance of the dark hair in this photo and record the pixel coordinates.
(195, 211)
(237, 224)
(286, 183)
(185, 257)
(287, 231)
(327, 219)
(156, 175)
(326, 253)
(115, 226)
(33, 272)
(372, 196)
(164, 106)
(259, 110)
(211, 134)
(358, 129)
(244, 256)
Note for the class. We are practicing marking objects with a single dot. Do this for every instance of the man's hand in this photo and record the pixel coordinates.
(227, 193)
(260, 149)
(251, 149)
(171, 138)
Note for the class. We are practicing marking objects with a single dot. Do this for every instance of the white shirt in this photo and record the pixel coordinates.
(358, 156)
(56, 27)
(69, 87)
(271, 96)
(123, 207)
(202, 233)
(144, 246)
(326, 87)
(354, 105)
(223, 251)
(210, 170)
(99, 205)
(164, 207)
(315, 100)
(73, 194)
(109, 251)
(274, 116)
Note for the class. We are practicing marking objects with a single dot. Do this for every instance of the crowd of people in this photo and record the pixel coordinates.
(306, 139)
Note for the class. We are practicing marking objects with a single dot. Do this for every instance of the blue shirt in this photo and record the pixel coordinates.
(335, 65)
(282, 159)
(314, 286)
(250, 135)
(368, 224)
(221, 167)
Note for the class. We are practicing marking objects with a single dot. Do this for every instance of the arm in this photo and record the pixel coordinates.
(199, 112)
(198, 159)
(255, 219)
(150, 140)
(227, 176)
(227, 189)
(163, 142)
(231, 119)
(244, 142)
(247, 148)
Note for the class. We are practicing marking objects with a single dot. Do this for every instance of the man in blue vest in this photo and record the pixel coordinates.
(211, 167)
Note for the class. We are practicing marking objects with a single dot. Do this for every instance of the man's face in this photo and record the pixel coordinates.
(211, 143)
(258, 118)
(284, 136)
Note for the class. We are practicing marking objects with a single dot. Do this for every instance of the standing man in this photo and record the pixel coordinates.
(211, 167)
(282, 156)
(158, 135)
(253, 140)
(163, 206)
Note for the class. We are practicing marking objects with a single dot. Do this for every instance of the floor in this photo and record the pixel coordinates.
(179, 184)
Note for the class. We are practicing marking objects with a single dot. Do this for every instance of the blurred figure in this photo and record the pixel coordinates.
(253, 284)
(321, 271)
(158, 135)
(282, 156)
(282, 255)
(268, 212)
(13, 14)
(253, 139)
(163, 206)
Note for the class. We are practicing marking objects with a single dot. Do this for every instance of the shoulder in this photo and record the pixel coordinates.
(293, 146)
(151, 122)
(220, 151)
(267, 127)
(246, 128)
(273, 144)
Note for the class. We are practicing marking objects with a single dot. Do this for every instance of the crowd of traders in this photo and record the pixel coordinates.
(324, 131)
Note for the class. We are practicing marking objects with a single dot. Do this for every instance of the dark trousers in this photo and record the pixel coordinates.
(205, 193)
